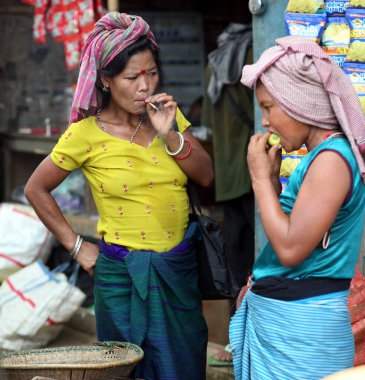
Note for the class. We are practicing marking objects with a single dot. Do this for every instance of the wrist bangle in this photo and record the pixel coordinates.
(182, 141)
(74, 253)
(187, 153)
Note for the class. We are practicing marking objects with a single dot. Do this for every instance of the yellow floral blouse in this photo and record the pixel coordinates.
(140, 193)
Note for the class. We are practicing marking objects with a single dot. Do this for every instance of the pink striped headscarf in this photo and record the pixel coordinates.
(111, 35)
(311, 88)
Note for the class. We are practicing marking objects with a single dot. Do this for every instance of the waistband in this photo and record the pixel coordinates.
(290, 289)
(119, 252)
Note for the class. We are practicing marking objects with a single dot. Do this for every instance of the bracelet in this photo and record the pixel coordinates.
(182, 141)
(187, 154)
(74, 253)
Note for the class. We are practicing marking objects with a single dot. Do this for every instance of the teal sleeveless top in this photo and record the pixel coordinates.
(339, 259)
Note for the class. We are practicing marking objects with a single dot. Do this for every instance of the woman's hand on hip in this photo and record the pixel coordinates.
(163, 119)
(87, 256)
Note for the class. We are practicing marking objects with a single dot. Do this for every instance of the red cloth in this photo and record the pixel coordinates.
(68, 21)
(356, 304)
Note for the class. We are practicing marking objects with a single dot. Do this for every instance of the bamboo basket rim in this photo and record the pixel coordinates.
(99, 346)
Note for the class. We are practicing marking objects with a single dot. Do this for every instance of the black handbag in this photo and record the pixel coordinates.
(215, 280)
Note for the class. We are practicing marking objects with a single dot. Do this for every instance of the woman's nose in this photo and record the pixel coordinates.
(265, 123)
(143, 83)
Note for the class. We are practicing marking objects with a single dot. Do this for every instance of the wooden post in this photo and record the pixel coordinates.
(113, 5)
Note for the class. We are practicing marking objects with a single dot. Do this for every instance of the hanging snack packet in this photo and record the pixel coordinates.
(304, 6)
(336, 8)
(305, 25)
(356, 74)
(336, 39)
(357, 3)
(356, 20)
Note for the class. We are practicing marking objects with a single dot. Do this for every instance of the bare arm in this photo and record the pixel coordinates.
(45, 178)
(198, 165)
(293, 237)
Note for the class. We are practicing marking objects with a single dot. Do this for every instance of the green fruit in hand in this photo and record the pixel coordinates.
(274, 139)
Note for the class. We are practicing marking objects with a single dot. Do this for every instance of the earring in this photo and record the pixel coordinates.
(105, 89)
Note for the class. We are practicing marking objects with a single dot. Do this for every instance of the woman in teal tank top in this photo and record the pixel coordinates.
(294, 322)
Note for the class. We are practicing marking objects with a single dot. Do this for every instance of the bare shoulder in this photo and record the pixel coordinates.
(329, 172)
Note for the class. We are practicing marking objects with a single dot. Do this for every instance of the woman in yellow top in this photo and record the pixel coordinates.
(122, 135)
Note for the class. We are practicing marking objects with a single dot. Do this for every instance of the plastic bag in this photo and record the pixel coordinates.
(23, 238)
(34, 305)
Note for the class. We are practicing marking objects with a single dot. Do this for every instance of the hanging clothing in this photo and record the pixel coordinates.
(227, 60)
(68, 21)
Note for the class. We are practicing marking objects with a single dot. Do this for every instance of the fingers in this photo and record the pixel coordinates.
(159, 102)
(259, 141)
(274, 151)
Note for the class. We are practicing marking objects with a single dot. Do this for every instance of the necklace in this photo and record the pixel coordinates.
(328, 135)
(135, 131)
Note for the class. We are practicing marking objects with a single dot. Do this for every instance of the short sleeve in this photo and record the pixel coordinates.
(72, 149)
(182, 123)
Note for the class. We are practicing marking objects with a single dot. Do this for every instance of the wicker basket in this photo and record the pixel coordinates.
(106, 360)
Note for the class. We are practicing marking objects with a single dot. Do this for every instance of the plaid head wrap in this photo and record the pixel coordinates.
(311, 88)
(110, 36)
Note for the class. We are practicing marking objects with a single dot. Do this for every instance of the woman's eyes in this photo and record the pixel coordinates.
(150, 74)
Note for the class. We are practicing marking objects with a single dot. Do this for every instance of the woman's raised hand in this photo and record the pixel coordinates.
(263, 161)
(162, 118)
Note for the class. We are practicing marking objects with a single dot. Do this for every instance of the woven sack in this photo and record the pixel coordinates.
(34, 305)
(24, 238)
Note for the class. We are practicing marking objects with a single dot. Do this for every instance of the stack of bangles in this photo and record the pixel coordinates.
(74, 253)
(180, 148)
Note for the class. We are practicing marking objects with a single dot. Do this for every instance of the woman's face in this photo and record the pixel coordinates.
(292, 132)
(138, 80)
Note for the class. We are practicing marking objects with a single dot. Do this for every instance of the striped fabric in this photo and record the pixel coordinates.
(110, 36)
(311, 88)
(152, 300)
(298, 340)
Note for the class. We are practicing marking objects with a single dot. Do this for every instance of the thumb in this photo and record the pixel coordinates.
(275, 151)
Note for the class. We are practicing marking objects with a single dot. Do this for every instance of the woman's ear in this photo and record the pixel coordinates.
(104, 80)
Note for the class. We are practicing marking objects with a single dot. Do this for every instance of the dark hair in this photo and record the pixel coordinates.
(118, 64)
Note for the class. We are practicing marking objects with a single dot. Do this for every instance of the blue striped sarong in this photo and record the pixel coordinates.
(152, 300)
(306, 339)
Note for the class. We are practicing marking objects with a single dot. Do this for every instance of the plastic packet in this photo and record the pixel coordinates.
(357, 3)
(288, 165)
(336, 8)
(305, 25)
(289, 162)
(356, 20)
(356, 74)
(336, 39)
(304, 6)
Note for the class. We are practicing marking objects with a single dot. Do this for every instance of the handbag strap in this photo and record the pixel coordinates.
(64, 266)
(194, 198)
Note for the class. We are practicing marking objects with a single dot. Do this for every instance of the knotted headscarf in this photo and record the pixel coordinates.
(311, 88)
(110, 36)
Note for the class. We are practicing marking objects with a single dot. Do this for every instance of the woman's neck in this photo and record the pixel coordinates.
(318, 136)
